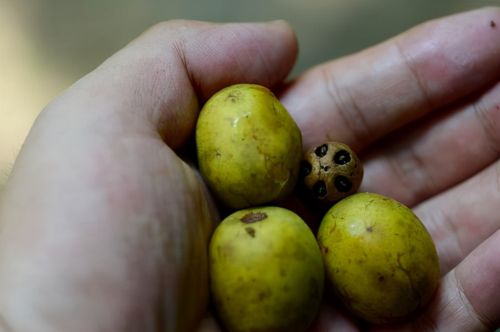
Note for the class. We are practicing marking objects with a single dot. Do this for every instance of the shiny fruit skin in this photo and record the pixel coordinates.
(379, 257)
(248, 146)
(266, 271)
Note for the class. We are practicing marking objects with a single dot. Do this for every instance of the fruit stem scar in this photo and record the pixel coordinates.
(253, 217)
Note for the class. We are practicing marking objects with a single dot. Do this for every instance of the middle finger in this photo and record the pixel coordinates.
(438, 153)
(360, 98)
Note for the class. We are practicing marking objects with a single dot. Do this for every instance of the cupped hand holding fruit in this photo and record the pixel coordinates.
(104, 227)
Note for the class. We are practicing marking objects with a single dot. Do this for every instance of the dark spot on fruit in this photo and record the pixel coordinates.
(321, 150)
(325, 250)
(264, 295)
(381, 278)
(343, 184)
(305, 168)
(493, 24)
(369, 229)
(342, 157)
(253, 217)
(319, 189)
(250, 231)
(233, 97)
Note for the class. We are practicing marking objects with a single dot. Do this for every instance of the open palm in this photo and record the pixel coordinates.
(104, 227)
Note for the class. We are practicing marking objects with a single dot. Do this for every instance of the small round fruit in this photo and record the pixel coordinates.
(379, 257)
(331, 171)
(249, 147)
(266, 271)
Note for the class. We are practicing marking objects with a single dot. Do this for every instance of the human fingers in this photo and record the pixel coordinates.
(145, 80)
(464, 216)
(360, 98)
(333, 318)
(437, 152)
(465, 228)
(102, 226)
(447, 169)
(209, 324)
(467, 298)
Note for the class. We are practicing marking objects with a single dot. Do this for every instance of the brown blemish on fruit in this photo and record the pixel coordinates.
(253, 217)
(369, 229)
(264, 294)
(250, 231)
(493, 24)
(234, 96)
(333, 227)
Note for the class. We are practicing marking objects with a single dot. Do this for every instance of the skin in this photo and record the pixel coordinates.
(104, 228)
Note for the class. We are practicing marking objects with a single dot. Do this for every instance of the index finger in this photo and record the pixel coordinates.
(359, 98)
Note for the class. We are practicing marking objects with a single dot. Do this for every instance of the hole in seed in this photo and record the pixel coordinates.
(325, 168)
(321, 150)
(250, 231)
(342, 157)
(343, 184)
(319, 189)
(305, 168)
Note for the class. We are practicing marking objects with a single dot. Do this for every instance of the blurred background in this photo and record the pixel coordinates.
(45, 45)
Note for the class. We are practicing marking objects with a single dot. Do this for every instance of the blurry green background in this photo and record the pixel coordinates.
(45, 45)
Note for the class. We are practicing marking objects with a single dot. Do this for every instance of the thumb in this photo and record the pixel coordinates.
(98, 213)
(163, 75)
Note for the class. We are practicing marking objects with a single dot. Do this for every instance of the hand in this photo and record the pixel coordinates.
(423, 109)
(103, 227)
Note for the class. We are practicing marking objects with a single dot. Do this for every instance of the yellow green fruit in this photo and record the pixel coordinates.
(249, 147)
(379, 257)
(266, 271)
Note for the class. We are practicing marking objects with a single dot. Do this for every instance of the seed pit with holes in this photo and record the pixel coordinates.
(331, 171)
